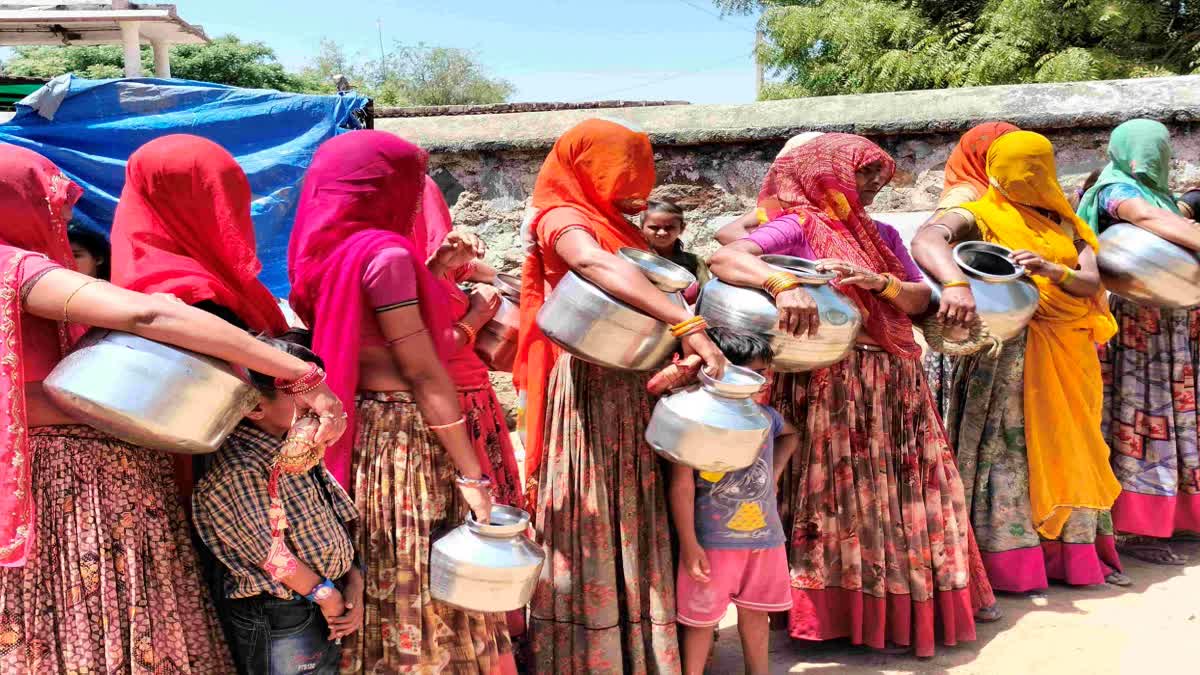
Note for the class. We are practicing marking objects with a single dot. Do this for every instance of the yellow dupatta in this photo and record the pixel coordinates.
(1068, 457)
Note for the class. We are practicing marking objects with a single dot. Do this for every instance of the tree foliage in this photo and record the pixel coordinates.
(225, 60)
(411, 75)
(820, 47)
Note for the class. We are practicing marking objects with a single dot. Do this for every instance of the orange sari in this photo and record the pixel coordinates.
(590, 167)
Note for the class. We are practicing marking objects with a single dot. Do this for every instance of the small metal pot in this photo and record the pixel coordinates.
(486, 568)
(596, 327)
(1005, 298)
(150, 394)
(496, 343)
(1141, 266)
(712, 426)
(754, 310)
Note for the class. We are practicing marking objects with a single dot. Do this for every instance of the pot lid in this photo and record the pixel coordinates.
(663, 273)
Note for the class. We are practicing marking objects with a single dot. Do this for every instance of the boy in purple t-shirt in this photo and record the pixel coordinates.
(731, 542)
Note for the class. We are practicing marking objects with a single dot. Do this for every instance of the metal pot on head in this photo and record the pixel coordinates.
(487, 568)
(150, 394)
(1141, 266)
(1005, 298)
(714, 425)
(596, 327)
(496, 343)
(753, 309)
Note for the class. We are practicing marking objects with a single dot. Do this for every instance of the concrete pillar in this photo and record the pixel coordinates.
(132, 42)
(162, 58)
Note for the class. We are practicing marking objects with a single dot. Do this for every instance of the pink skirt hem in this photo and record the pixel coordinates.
(1156, 515)
(830, 613)
(1017, 571)
(1081, 564)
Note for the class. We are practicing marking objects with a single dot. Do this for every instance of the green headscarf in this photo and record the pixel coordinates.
(1139, 155)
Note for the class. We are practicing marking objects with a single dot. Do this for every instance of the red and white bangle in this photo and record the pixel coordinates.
(314, 378)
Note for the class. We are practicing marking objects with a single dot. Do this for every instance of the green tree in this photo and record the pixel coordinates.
(410, 75)
(821, 47)
(225, 60)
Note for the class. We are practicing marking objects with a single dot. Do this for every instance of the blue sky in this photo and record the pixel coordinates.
(552, 50)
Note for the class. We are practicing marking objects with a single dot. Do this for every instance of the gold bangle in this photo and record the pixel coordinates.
(692, 326)
(684, 327)
(67, 304)
(778, 282)
(956, 284)
(1068, 274)
(892, 290)
(471, 333)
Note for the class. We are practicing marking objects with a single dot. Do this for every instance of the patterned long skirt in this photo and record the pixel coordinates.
(112, 584)
(489, 434)
(404, 491)
(987, 426)
(879, 544)
(606, 599)
(1150, 377)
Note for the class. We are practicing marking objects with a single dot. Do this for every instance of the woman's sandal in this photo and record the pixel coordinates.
(1153, 551)
(1118, 579)
(988, 614)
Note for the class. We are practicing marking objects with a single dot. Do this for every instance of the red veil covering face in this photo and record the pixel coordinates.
(967, 164)
(34, 198)
(816, 183)
(360, 196)
(183, 227)
(591, 166)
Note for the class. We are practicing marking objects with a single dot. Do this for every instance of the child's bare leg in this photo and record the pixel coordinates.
(696, 645)
(754, 629)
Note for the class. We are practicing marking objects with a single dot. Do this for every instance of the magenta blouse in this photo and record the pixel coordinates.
(784, 236)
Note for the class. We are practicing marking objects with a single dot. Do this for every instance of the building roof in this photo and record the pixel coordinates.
(37, 22)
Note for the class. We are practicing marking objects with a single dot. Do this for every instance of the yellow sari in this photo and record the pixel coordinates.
(1068, 457)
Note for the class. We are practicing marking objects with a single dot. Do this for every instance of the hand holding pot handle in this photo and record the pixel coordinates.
(701, 345)
(957, 307)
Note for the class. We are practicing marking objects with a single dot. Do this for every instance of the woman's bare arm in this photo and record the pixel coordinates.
(1170, 226)
(738, 229)
(739, 264)
(931, 248)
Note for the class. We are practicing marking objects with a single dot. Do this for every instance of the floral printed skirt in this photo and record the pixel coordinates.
(1150, 377)
(112, 584)
(880, 540)
(606, 599)
(404, 492)
(489, 433)
(987, 426)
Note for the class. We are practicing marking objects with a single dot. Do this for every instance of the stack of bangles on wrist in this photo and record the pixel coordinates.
(892, 289)
(314, 378)
(686, 328)
(779, 282)
(466, 329)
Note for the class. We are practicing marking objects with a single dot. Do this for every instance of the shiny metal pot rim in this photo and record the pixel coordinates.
(509, 286)
(663, 273)
(802, 267)
(506, 521)
(735, 382)
(962, 250)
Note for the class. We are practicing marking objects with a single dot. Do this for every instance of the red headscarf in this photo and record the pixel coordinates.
(183, 227)
(34, 196)
(967, 164)
(360, 196)
(816, 183)
(591, 166)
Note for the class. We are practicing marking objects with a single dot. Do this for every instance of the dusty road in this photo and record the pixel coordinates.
(1150, 627)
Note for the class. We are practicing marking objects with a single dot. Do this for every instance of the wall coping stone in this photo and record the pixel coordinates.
(1032, 106)
(497, 108)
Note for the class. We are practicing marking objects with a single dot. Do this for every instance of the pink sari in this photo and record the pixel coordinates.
(360, 195)
(34, 194)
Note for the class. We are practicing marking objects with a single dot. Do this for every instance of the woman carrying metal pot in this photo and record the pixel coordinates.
(381, 322)
(879, 546)
(98, 570)
(1026, 422)
(606, 599)
(1151, 365)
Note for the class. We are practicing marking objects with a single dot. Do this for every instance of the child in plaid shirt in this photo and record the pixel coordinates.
(289, 615)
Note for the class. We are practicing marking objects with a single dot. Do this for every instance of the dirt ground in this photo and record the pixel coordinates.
(1150, 627)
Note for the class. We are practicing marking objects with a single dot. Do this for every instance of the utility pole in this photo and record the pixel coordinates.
(382, 53)
(758, 64)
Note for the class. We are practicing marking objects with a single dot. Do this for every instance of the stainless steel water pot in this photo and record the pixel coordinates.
(487, 568)
(1141, 266)
(150, 394)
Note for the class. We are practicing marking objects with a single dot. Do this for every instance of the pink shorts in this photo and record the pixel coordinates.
(756, 579)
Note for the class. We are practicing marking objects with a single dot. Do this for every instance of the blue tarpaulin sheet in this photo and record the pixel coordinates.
(89, 128)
